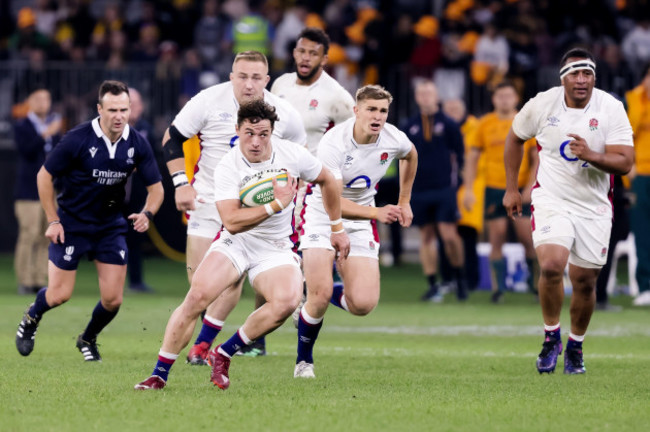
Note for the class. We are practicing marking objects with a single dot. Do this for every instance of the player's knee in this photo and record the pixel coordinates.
(552, 269)
(361, 306)
(319, 295)
(112, 304)
(197, 298)
(57, 299)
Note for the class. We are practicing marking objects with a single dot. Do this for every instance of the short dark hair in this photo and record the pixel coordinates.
(504, 84)
(317, 35)
(113, 87)
(255, 111)
(576, 53)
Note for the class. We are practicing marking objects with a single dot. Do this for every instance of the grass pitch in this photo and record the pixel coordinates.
(408, 366)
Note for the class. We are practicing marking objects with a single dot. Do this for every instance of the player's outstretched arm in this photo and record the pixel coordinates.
(238, 219)
(408, 166)
(46, 194)
(173, 151)
(512, 156)
(331, 190)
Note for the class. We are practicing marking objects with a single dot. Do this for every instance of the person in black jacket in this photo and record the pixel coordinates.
(439, 143)
(35, 136)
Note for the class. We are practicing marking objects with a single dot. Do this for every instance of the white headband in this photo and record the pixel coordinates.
(584, 64)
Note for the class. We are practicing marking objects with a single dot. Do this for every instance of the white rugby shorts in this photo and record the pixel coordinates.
(586, 239)
(254, 255)
(364, 239)
(204, 220)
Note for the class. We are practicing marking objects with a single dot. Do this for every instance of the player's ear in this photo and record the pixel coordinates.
(325, 60)
(268, 78)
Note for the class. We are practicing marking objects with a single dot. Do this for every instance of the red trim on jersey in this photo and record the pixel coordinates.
(532, 217)
(330, 125)
(610, 194)
(218, 234)
(375, 231)
(308, 191)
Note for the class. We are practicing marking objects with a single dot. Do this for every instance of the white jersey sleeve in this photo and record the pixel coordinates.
(620, 132)
(310, 167)
(226, 178)
(331, 153)
(194, 115)
(526, 122)
(290, 126)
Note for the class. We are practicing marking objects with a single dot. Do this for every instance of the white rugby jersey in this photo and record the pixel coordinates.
(322, 105)
(359, 166)
(212, 114)
(564, 181)
(234, 170)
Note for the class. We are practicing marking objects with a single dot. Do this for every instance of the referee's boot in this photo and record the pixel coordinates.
(25, 334)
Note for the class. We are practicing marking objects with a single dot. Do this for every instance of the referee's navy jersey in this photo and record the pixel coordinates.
(90, 174)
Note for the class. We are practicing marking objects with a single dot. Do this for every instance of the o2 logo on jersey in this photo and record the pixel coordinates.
(567, 158)
(359, 182)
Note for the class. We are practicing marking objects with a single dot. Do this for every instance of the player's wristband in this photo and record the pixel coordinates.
(336, 222)
(54, 222)
(179, 178)
(339, 231)
(269, 209)
(338, 228)
(148, 214)
(279, 203)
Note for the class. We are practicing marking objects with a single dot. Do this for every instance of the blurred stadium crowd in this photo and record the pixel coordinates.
(170, 49)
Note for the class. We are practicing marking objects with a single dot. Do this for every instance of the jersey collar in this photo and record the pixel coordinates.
(112, 147)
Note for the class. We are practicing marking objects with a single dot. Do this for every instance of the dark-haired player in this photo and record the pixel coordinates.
(89, 167)
(212, 115)
(584, 137)
(254, 240)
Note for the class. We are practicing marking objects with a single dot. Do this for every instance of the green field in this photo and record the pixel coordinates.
(408, 366)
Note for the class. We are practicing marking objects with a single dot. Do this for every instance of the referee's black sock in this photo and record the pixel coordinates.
(100, 319)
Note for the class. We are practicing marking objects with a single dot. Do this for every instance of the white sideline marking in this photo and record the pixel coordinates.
(479, 330)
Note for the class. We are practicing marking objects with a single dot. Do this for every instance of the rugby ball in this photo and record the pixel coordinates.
(257, 189)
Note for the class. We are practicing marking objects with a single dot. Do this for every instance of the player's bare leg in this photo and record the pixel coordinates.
(317, 265)
(281, 287)
(525, 237)
(453, 245)
(361, 281)
(583, 301)
(552, 261)
(217, 311)
(59, 290)
(204, 290)
(497, 231)
(111, 288)
(429, 261)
